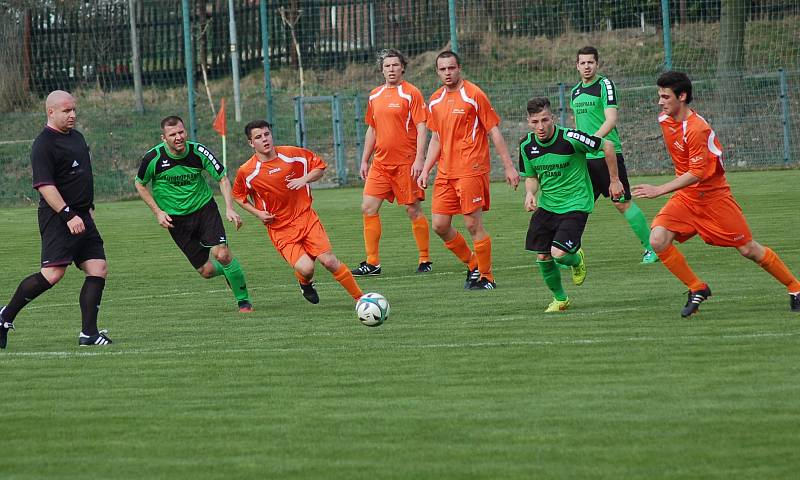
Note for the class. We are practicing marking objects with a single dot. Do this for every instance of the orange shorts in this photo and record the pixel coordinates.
(460, 196)
(719, 222)
(388, 182)
(306, 236)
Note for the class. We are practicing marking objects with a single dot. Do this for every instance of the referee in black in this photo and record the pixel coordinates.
(62, 172)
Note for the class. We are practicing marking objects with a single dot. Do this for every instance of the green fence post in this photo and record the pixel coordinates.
(667, 40)
(451, 6)
(359, 128)
(787, 146)
(298, 128)
(267, 74)
(562, 102)
(189, 57)
(338, 150)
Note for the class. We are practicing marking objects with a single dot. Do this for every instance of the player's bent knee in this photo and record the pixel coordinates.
(752, 250)
(53, 275)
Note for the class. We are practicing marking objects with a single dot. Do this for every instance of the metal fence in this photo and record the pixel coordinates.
(742, 54)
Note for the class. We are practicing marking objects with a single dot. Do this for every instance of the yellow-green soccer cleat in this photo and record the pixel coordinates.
(649, 257)
(579, 270)
(557, 306)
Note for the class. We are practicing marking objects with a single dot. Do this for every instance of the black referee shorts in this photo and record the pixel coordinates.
(197, 232)
(60, 247)
(560, 230)
(601, 179)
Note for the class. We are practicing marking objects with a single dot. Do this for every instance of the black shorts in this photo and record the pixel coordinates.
(601, 180)
(197, 232)
(60, 247)
(560, 230)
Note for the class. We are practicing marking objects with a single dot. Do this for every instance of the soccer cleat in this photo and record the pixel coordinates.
(424, 267)
(794, 304)
(695, 298)
(579, 270)
(310, 293)
(483, 284)
(557, 306)
(4, 328)
(365, 269)
(649, 257)
(245, 306)
(472, 277)
(99, 339)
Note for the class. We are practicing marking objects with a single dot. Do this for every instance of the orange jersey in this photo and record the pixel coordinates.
(462, 119)
(394, 112)
(264, 183)
(694, 148)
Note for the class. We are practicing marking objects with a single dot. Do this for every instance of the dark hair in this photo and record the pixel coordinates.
(389, 53)
(256, 124)
(538, 104)
(678, 82)
(588, 50)
(448, 54)
(171, 121)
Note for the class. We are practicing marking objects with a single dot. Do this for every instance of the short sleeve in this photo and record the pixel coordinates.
(240, 191)
(525, 168)
(369, 117)
(419, 113)
(486, 113)
(42, 164)
(702, 161)
(315, 161)
(210, 162)
(608, 92)
(145, 174)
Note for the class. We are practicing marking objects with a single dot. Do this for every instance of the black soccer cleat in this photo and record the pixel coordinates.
(695, 298)
(89, 340)
(794, 302)
(310, 293)
(365, 269)
(483, 284)
(424, 267)
(4, 328)
(245, 306)
(472, 277)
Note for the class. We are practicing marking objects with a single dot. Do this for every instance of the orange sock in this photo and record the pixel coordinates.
(419, 227)
(483, 250)
(372, 238)
(303, 280)
(773, 264)
(675, 262)
(345, 278)
(459, 247)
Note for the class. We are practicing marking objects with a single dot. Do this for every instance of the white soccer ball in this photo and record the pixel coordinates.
(372, 309)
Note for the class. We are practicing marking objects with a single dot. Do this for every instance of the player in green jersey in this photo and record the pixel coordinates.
(558, 190)
(183, 203)
(595, 104)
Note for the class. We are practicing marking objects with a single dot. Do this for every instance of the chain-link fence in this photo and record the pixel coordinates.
(742, 55)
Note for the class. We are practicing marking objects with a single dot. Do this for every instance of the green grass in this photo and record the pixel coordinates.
(454, 385)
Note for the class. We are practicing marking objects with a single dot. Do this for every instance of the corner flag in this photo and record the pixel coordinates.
(220, 125)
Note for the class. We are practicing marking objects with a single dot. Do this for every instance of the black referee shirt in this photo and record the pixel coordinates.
(63, 160)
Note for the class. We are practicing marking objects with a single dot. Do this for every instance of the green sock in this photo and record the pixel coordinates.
(218, 268)
(639, 225)
(552, 278)
(570, 259)
(235, 276)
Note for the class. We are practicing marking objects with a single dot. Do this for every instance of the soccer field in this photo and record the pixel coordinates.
(455, 384)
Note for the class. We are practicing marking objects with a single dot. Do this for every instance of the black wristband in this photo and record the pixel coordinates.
(67, 214)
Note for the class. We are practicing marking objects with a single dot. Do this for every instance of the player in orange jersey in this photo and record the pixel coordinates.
(703, 204)
(396, 134)
(274, 185)
(461, 118)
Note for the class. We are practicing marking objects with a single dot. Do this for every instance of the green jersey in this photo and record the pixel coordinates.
(560, 165)
(589, 103)
(179, 187)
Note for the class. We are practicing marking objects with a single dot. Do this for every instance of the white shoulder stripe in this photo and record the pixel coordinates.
(438, 100)
(663, 118)
(407, 98)
(377, 94)
(252, 175)
(301, 160)
(474, 103)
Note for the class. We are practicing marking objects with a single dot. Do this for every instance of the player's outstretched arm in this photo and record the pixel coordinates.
(615, 189)
(531, 189)
(230, 213)
(434, 147)
(161, 216)
(369, 148)
(652, 191)
(512, 175)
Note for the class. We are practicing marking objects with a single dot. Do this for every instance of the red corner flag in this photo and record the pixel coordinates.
(219, 121)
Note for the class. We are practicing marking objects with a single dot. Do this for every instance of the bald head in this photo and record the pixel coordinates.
(60, 107)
